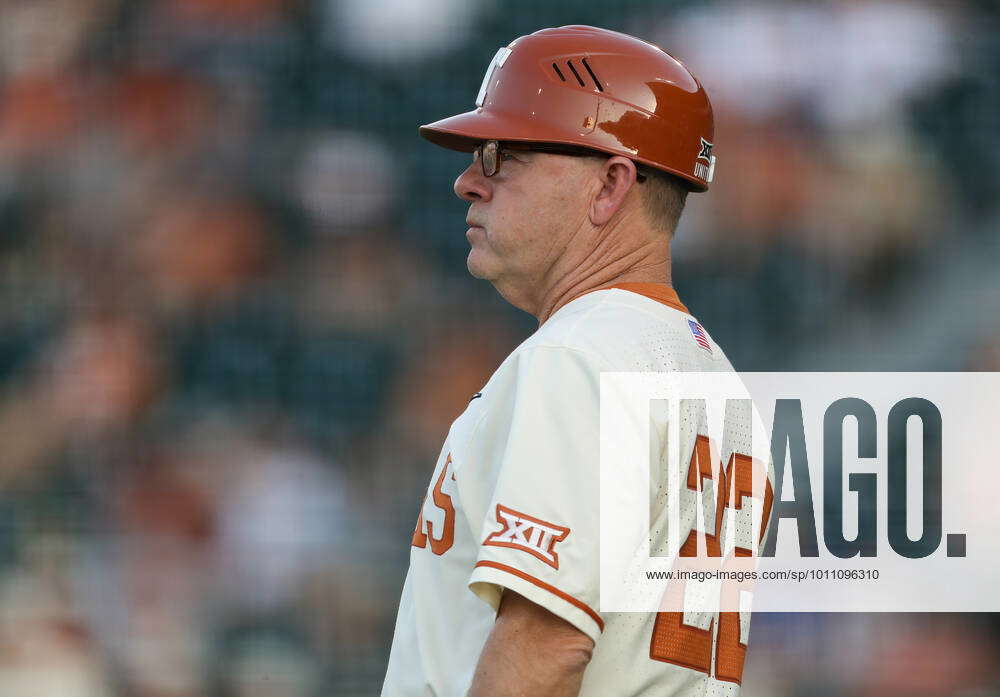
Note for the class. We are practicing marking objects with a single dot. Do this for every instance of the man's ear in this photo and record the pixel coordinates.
(617, 176)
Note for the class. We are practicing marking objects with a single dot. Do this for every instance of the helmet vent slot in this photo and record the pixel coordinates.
(576, 73)
(594, 77)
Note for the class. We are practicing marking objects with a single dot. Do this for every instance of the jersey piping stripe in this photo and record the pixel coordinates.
(545, 586)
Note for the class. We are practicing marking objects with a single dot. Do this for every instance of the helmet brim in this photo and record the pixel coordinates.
(464, 132)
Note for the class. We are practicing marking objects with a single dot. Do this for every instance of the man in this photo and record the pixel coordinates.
(585, 144)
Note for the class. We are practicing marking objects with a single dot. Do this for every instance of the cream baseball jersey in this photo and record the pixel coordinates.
(513, 504)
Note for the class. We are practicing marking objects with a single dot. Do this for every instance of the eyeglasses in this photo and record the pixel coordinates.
(491, 154)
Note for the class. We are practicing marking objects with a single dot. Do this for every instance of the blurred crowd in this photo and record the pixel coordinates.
(236, 322)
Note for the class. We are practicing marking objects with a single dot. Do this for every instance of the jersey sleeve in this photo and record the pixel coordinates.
(540, 531)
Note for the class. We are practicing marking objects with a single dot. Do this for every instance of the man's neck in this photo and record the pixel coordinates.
(644, 265)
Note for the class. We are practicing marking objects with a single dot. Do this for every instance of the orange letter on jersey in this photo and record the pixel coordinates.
(442, 501)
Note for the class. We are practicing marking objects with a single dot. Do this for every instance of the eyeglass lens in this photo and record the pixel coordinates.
(489, 156)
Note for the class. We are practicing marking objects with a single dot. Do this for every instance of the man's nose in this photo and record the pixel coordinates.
(471, 185)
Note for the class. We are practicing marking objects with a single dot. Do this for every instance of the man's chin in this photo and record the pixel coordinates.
(476, 266)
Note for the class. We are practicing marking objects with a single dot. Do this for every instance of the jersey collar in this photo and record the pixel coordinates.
(660, 292)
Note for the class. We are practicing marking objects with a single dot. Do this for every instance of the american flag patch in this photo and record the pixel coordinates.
(699, 335)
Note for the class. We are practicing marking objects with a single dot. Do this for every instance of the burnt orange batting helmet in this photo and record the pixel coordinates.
(594, 88)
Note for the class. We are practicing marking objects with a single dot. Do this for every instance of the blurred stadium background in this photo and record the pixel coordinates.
(236, 321)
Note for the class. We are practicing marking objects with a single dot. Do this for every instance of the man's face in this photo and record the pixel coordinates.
(524, 219)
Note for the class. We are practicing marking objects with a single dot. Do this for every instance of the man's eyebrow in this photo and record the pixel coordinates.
(518, 153)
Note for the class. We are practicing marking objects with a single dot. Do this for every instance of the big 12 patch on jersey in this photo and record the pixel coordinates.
(529, 534)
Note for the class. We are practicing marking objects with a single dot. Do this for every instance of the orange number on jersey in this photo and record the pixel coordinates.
(691, 647)
(682, 644)
(699, 470)
(730, 652)
(443, 501)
